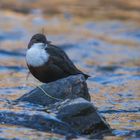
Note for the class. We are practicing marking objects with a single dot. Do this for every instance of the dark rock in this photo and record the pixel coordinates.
(71, 87)
(38, 120)
(73, 114)
(81, 115)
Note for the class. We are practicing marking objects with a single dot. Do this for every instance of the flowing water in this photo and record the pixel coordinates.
(109, 51)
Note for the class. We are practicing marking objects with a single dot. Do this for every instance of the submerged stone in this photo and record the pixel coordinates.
(38, 120)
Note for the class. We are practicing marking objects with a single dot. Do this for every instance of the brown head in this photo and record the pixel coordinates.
(38, 38)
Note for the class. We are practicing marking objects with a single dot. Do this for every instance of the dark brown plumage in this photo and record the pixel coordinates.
(58, 64)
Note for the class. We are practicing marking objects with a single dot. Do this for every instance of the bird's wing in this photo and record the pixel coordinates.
(60, 58)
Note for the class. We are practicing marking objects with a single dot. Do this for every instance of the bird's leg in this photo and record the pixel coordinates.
(28, 74)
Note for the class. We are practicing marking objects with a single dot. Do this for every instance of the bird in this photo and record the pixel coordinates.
(48, 62)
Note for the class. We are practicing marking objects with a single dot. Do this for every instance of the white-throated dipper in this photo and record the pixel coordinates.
(47, 62)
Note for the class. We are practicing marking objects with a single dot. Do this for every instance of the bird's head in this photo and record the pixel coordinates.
(38, 38)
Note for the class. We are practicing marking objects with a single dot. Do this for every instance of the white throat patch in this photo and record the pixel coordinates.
(36, 56)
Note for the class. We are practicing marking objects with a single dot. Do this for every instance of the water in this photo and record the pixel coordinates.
(109, 51)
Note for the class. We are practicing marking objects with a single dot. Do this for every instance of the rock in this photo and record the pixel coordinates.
(31, 118)
(73, 114)
(81, 115)
(71, 87)
(41, 122)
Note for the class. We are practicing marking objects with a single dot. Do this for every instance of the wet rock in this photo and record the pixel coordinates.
(35, 119)
(70, 117)
(81, 115)
(73, 114)
(71, 87)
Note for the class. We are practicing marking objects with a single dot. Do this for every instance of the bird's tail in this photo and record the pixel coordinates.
(86, 76)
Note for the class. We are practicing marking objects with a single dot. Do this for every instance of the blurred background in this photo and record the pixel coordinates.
(102, 37)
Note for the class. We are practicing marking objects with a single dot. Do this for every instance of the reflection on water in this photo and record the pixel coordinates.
(108, 51)
(25, 133)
